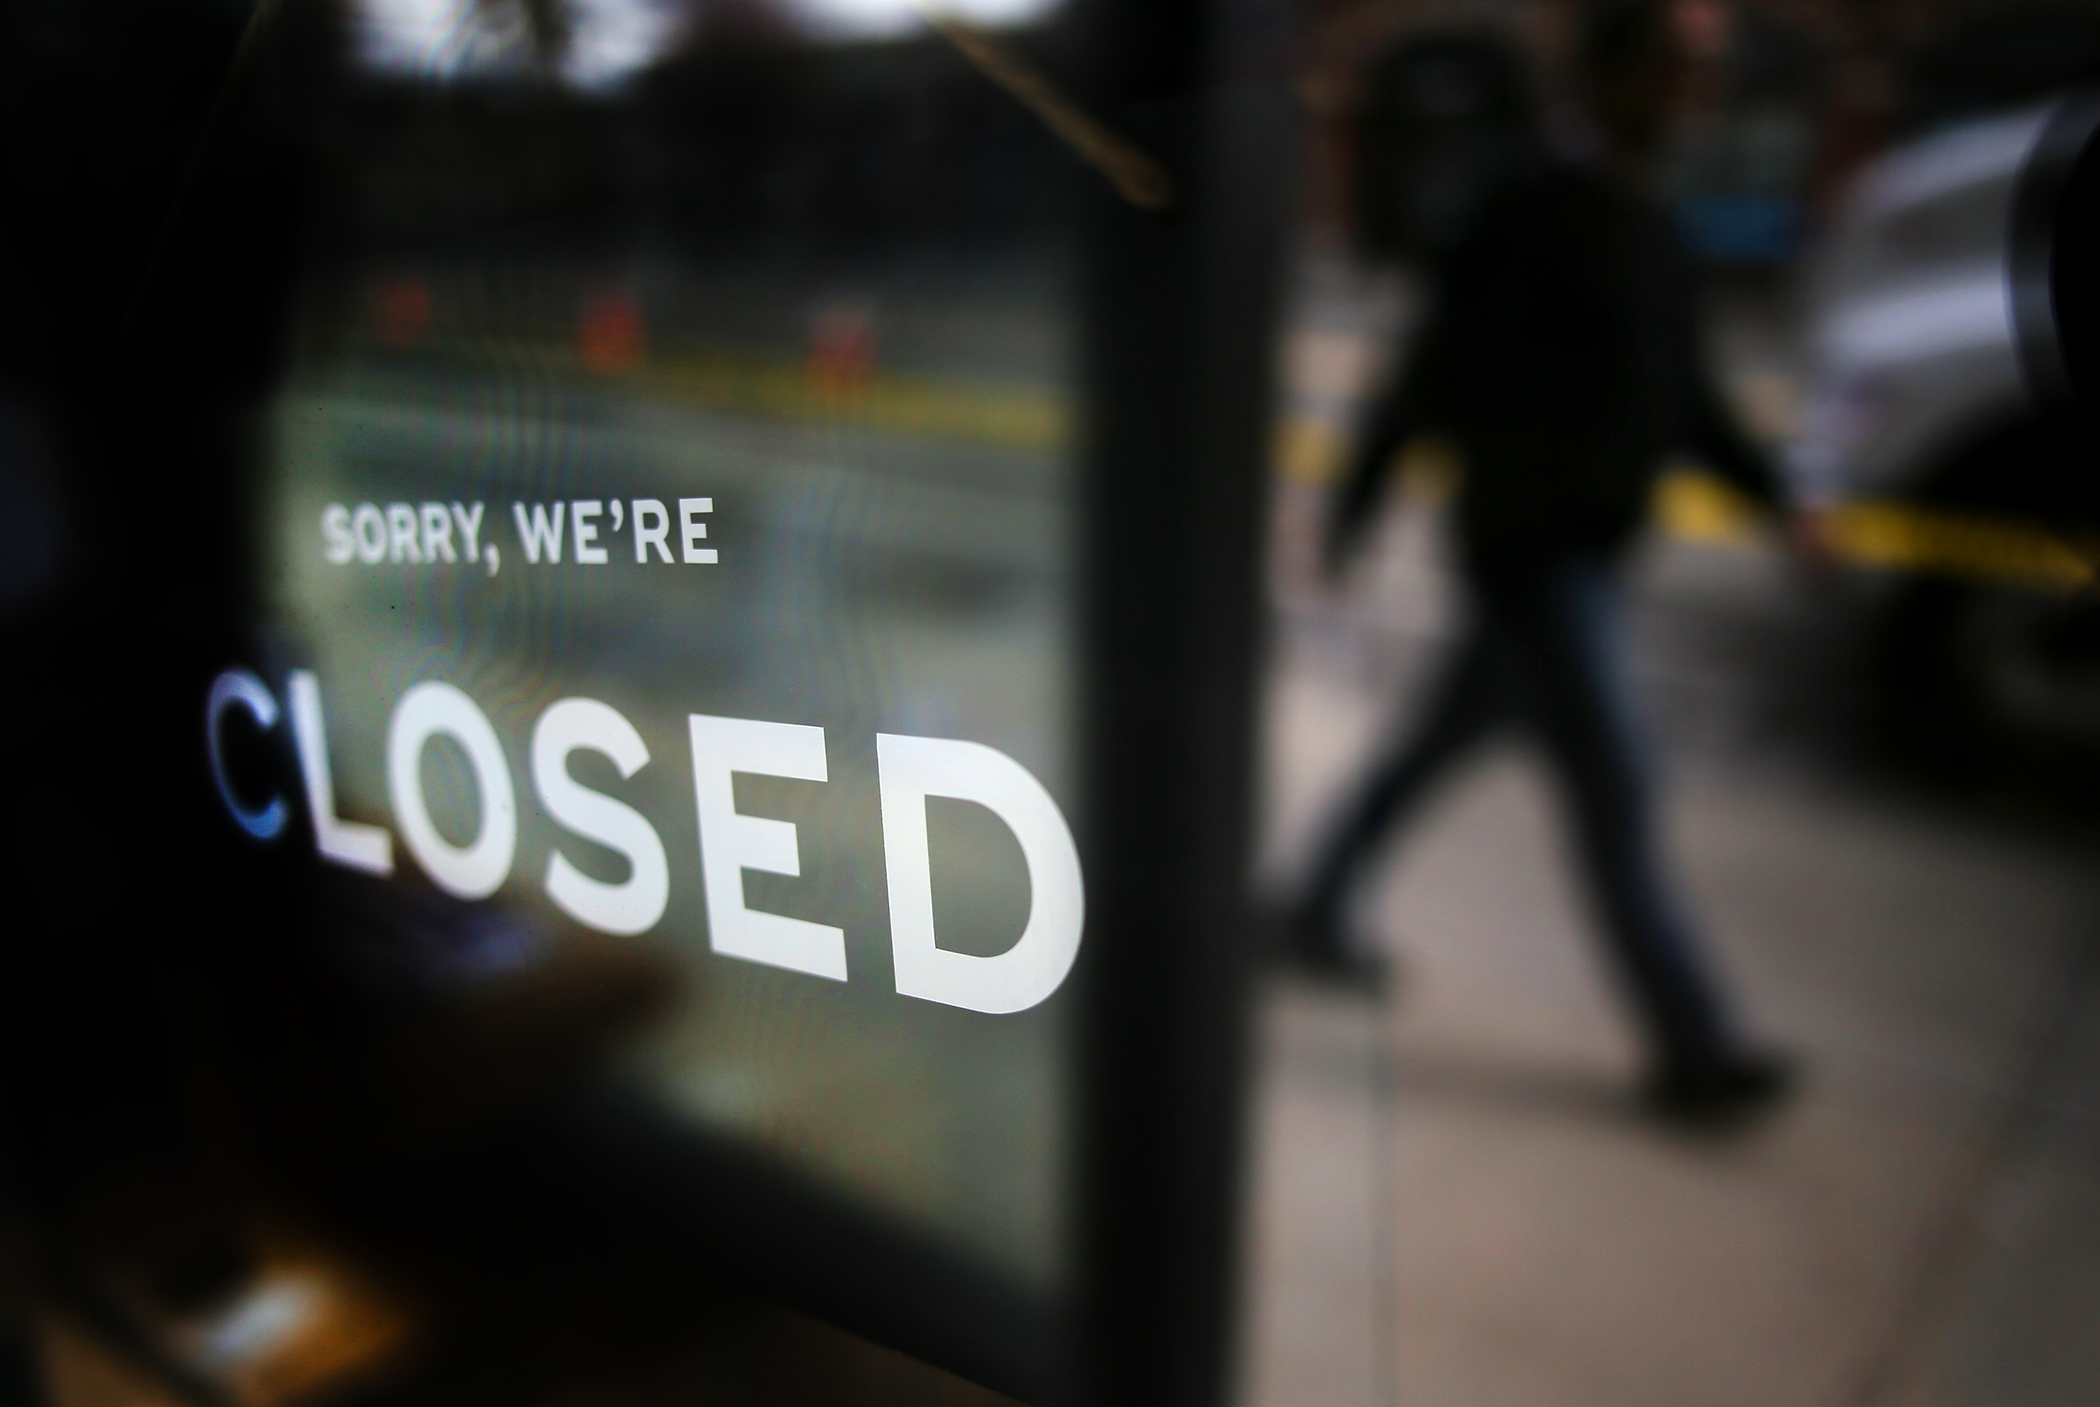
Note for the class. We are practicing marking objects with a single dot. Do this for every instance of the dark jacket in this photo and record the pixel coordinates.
(1562, 356)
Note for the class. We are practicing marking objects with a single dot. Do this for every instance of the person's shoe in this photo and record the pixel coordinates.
(1720, 1095)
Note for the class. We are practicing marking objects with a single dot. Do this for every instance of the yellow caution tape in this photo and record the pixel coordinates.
(1689, 504)
(1891, 533)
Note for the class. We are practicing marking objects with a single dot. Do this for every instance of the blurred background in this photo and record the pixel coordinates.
(820, 260)
(1878, 785)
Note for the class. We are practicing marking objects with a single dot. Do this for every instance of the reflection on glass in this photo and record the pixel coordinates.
(736, 388)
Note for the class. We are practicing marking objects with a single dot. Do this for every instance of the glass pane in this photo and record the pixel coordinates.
(709, 364)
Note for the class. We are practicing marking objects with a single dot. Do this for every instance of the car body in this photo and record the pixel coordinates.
(1912, 342)
(1920, 416)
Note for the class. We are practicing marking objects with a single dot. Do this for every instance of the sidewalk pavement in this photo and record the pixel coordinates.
(1455, 1204)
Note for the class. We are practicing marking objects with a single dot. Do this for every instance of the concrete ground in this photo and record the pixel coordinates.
(1454, 1201)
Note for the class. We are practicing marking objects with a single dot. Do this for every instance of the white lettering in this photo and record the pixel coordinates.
(636, 905)
(583, 514)
(349, 843)
(912, 769)
(477, 870)
(437, 534)
(335, 526)
(652, 527)
(369, 525)
(731, 842)
(469, 529)
(692, 530)
(909, 770)
(401, 530)
(538, 533)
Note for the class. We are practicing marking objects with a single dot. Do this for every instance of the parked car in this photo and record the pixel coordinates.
(1989, 641)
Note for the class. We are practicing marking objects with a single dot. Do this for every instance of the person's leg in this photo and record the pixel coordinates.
(1563, 625)
(1467, 700)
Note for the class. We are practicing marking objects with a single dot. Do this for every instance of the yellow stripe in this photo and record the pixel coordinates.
(1692, 505)
(1013, 417)
(1889, 533)
(1688, 504)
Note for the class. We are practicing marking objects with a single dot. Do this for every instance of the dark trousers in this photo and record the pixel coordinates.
(1545, 651)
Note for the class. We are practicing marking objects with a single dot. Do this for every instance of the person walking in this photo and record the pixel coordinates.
(1562, 357)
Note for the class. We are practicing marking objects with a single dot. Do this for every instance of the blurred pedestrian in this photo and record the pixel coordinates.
(1562, 358)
